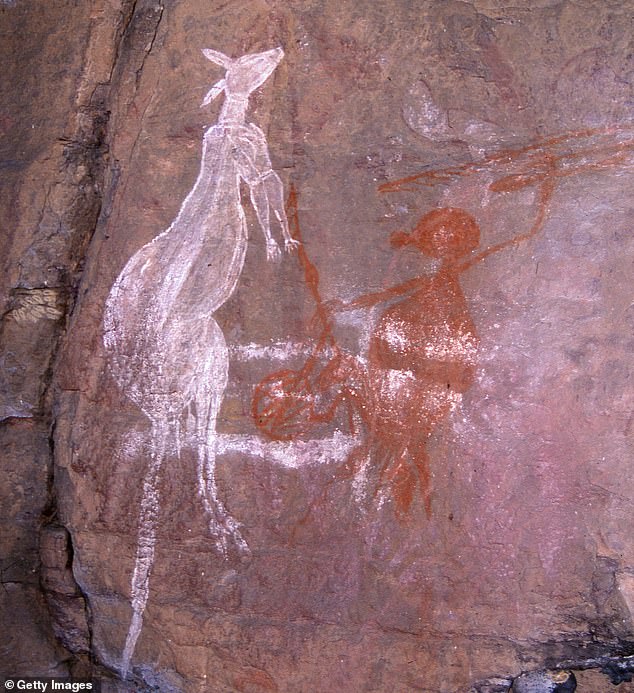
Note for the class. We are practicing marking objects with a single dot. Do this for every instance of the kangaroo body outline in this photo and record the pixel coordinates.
(166, 351)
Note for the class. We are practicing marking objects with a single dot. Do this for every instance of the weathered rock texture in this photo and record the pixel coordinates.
(523, 559)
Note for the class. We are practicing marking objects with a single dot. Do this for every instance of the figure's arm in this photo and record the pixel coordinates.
(376, 297)
(259, 197)
(265, 186)
(275, 193)
(547, 187)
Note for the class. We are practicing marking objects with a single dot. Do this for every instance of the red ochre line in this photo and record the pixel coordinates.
(537, 152)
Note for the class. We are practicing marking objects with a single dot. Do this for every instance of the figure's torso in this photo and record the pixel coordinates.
(422, 353)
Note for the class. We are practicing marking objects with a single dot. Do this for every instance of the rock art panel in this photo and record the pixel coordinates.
(420, 420)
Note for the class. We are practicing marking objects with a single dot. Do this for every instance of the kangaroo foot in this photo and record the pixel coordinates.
(227, 536)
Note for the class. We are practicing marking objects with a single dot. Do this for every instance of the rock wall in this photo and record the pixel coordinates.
(57, 59)
(417, 475)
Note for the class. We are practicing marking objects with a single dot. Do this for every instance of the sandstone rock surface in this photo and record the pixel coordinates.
(404, 534)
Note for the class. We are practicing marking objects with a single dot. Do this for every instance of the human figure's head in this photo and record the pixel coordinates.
(445, 234)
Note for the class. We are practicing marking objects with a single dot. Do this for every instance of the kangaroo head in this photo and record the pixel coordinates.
(243, 75)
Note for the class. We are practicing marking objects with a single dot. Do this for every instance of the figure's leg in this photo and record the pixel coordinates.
(420, 460)
(403, 485)
(405, 471)
(362, 418)
(144, 558)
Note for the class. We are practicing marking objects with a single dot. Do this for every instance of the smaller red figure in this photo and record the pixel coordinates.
(421, 359)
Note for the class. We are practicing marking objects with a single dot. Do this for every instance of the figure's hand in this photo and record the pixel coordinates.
(273, 252)
(291, 244)
(325, 314)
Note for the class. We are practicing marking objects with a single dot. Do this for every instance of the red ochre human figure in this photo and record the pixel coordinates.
(423, 349)
(421, 359)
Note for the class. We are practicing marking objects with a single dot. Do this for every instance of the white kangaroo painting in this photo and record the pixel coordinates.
(165, 350)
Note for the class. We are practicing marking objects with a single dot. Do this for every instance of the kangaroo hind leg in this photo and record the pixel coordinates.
(222, 525)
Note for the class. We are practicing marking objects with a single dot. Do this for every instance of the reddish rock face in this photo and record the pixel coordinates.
(394, 457)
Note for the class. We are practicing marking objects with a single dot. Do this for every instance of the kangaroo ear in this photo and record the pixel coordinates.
(213, 92)
(217, 57)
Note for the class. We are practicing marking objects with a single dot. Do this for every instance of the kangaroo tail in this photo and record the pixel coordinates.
(144, 558)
